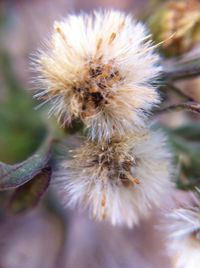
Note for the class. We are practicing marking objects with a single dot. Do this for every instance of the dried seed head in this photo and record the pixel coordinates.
(118, 180)
(177, 23)
(99, 67)
(184, 239)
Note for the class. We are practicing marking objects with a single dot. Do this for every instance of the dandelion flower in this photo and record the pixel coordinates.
(119, 180)
(100, 67)
(184, 242)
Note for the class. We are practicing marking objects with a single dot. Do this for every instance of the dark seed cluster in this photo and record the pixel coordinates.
(94, 92)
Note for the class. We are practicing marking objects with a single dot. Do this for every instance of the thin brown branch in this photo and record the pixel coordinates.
(188, 106)
(180, 74)
(177, 91)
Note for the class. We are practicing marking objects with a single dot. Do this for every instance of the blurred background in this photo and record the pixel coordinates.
(48, 236)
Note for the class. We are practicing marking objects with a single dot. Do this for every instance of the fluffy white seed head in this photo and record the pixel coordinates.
(118, 181)
(99, 67)
(184, 239)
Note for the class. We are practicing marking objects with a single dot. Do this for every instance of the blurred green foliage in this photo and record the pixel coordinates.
(186, 146)
(21, 126)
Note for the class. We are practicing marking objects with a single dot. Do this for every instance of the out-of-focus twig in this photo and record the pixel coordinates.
(189, 106)
(178, 91)
(184, 73)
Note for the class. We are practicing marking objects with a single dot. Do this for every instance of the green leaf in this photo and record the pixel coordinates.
(12, 176)
(28, 195)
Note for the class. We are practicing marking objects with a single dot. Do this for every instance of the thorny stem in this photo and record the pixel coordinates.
(190, 106)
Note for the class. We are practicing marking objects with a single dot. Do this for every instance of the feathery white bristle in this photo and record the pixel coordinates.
(100, 67)
(184, 243)
(88, 183)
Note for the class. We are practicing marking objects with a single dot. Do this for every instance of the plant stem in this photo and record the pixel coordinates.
(189, 106)
(178, 91)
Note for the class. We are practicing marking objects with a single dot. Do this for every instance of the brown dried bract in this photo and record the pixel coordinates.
(94, 91)
(113, 159)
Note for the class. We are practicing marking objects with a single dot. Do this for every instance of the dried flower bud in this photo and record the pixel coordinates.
(177, 26)
(184, 240)
(100, 67)
(118, 180)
